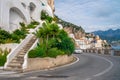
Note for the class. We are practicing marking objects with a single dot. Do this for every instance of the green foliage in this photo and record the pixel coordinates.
(3, 56)
(65, 43)
(52, 42)
(45, 16)
(39, 51)
(54, 52)
(22, 24)
(33, 24)
(49, 19)
(4, 35)
(18, 34)
(15, 38)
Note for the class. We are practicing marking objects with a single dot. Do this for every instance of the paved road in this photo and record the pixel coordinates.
(89, 67)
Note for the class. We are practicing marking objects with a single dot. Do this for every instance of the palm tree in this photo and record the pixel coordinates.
(54, 29)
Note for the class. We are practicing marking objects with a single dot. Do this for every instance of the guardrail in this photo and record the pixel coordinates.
(103, 51)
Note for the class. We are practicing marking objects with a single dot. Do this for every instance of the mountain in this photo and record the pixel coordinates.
(109, 35)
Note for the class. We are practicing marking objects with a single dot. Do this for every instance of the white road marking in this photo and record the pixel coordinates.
(88, 79)
(106, 70)
(68, 64)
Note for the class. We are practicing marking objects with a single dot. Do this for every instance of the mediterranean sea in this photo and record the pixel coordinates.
(116, 47)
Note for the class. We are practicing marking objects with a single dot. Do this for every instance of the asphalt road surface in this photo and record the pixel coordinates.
(89, 67)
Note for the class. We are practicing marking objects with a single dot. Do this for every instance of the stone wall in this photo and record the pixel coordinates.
(47, 63)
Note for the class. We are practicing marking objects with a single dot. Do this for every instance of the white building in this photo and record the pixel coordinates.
(12, 12)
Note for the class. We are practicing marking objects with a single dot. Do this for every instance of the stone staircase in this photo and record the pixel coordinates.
(17, 62)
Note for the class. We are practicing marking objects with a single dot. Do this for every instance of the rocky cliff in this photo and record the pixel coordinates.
(51, 4)
(70, 28)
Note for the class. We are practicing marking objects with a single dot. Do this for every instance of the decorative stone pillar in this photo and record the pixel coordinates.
(112, 52)
(96, 51)
(102, 51)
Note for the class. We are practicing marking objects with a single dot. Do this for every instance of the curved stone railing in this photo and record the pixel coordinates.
(24, 66)
(14, 52)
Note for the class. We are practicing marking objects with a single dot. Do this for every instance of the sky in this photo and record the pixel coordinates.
(92, 15)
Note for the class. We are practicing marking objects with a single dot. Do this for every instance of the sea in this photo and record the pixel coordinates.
(116, 47)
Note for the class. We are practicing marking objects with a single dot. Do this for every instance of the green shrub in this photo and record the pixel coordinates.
(20, 33)
(4, 35)
(45, 16)
(54, 52)
(2, 60)
(50, 19)
(15, 38)
(33, 24)
(39, 51)
(3, 56)
(52, 42)
(65, 43)
(33, 54)
(22, 24)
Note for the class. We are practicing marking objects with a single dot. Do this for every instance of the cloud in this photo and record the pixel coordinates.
(90, 14)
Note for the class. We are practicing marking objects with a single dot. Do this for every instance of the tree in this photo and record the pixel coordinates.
(52, 41)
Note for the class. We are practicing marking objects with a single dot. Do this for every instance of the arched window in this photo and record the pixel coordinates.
(32, 7)
(23, 4)
(15, 17)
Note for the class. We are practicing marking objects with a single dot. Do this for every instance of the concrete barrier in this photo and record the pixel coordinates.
(103, 51)
(47, 63)
(117, 53)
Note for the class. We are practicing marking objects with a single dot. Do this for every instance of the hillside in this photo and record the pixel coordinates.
(71, 28)
(109, 35)
(68, 24)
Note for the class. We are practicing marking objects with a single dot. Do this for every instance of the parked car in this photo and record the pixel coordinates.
(78, 51)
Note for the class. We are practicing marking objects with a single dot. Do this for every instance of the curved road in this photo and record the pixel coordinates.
(89, 67)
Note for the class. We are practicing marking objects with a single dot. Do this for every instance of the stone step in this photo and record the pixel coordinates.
(22, 51)
(20, 55)
(14, 69)
(16, 63)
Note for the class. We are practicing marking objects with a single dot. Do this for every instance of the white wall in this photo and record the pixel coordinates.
(14, 11)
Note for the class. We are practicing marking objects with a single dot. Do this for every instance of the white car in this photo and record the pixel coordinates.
(78, 51)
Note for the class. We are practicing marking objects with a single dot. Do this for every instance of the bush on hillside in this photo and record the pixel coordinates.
(3, 56)
(52, 42)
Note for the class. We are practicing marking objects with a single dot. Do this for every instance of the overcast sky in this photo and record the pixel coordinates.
(90, 14)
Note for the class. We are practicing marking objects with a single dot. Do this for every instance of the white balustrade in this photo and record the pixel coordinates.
(15, 51)
(24, 66)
